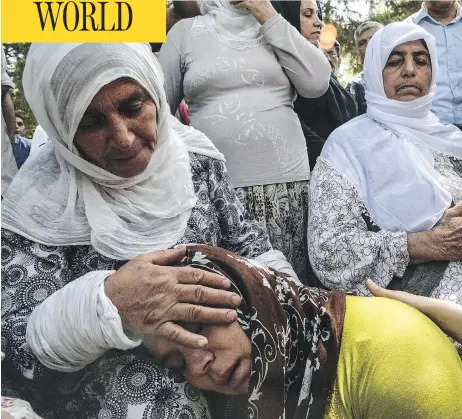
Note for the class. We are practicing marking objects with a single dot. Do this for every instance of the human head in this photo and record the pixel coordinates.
(76, 82)
(363, 35)
(280, 322)
(334, 56)
(20, 127)
(118, 130)
(407, 74)
(436, 8)
(224, 366)
(310, 21)
(304, 15)
(401, 63)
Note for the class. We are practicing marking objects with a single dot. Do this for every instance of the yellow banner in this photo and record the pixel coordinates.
(83, 21)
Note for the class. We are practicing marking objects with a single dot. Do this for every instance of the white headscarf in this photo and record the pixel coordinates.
(231, 23)
(391, 163)
(58, 198)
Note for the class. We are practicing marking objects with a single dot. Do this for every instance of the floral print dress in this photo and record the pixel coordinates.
(120, 384)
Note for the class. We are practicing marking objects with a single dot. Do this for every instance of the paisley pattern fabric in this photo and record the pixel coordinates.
(346, 247)
(295, 332)
(281, 209)
(120, 384)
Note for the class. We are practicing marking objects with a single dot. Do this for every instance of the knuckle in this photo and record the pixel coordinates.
(174, 335)
(194, 313)
(200, 294)
(198, 276)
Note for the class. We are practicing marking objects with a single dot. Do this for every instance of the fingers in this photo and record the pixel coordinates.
(190, 313)
(374, 288)
(455, 211)
(207, 296)
(164, 257)
(181, 336)
(195, 276)
(402, 296)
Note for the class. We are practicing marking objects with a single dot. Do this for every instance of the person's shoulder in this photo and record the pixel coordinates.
(182, 27)
(25, 141)
(200, 163)
(357, 81)
(353, 129)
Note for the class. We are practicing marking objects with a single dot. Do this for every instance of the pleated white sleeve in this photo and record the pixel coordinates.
(76, 325)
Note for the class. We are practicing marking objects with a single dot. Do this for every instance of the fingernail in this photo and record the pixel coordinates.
(226, 283)
(202, 343)
(231, 315)
(236, 300)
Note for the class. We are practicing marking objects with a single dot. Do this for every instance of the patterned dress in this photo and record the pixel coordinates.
(346, 247)
(121, 384)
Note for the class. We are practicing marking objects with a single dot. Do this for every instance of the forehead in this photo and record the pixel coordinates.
(368, 33)
(18, 118)
(308, 4)
(410, 47)
(119, 87)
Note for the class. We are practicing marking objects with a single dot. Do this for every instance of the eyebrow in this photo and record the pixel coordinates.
(414, 54)
(311, 9)
(136, 96)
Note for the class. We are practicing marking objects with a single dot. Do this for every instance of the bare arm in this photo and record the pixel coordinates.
(8, 113)
(448, 316)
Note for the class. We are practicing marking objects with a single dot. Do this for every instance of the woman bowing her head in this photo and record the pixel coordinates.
(88, 230)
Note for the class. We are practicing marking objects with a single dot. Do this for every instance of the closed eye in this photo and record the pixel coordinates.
(132, 109)
(174, 361)
(393, 63)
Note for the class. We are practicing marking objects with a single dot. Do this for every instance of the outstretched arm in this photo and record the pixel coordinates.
(447, 315)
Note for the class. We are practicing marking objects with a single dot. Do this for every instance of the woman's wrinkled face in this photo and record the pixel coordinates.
(223, 366)
(118, 131)
(310, 24)
(407, 75)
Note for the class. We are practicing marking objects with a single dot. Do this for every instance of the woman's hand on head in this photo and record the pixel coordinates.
(263, 10)
(152, 297)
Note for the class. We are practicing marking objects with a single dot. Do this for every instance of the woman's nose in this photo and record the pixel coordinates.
(319, 22)
(409, 67)
(121, 136)
(198, 361)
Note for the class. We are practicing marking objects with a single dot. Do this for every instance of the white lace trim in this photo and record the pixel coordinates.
(206, 25)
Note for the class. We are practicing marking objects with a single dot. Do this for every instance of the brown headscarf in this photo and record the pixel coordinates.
(295, 332)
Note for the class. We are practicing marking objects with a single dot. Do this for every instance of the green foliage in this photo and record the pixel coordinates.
(16, 56)
(344, 15)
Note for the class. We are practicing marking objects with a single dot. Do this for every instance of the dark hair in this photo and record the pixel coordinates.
(338, 48)
(18, 115)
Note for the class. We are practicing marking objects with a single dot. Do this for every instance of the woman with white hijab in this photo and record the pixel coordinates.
(385, 191)
(239, 66)
(115, 182)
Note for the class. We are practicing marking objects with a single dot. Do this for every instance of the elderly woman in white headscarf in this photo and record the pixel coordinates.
(240, 66)
(120, 181)
(385, 194)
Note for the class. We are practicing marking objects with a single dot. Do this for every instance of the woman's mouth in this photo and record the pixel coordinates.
(239, 375)
(412, 87)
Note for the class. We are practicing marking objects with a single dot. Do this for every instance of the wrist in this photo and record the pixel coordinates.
(424, 246)
(263, 14)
